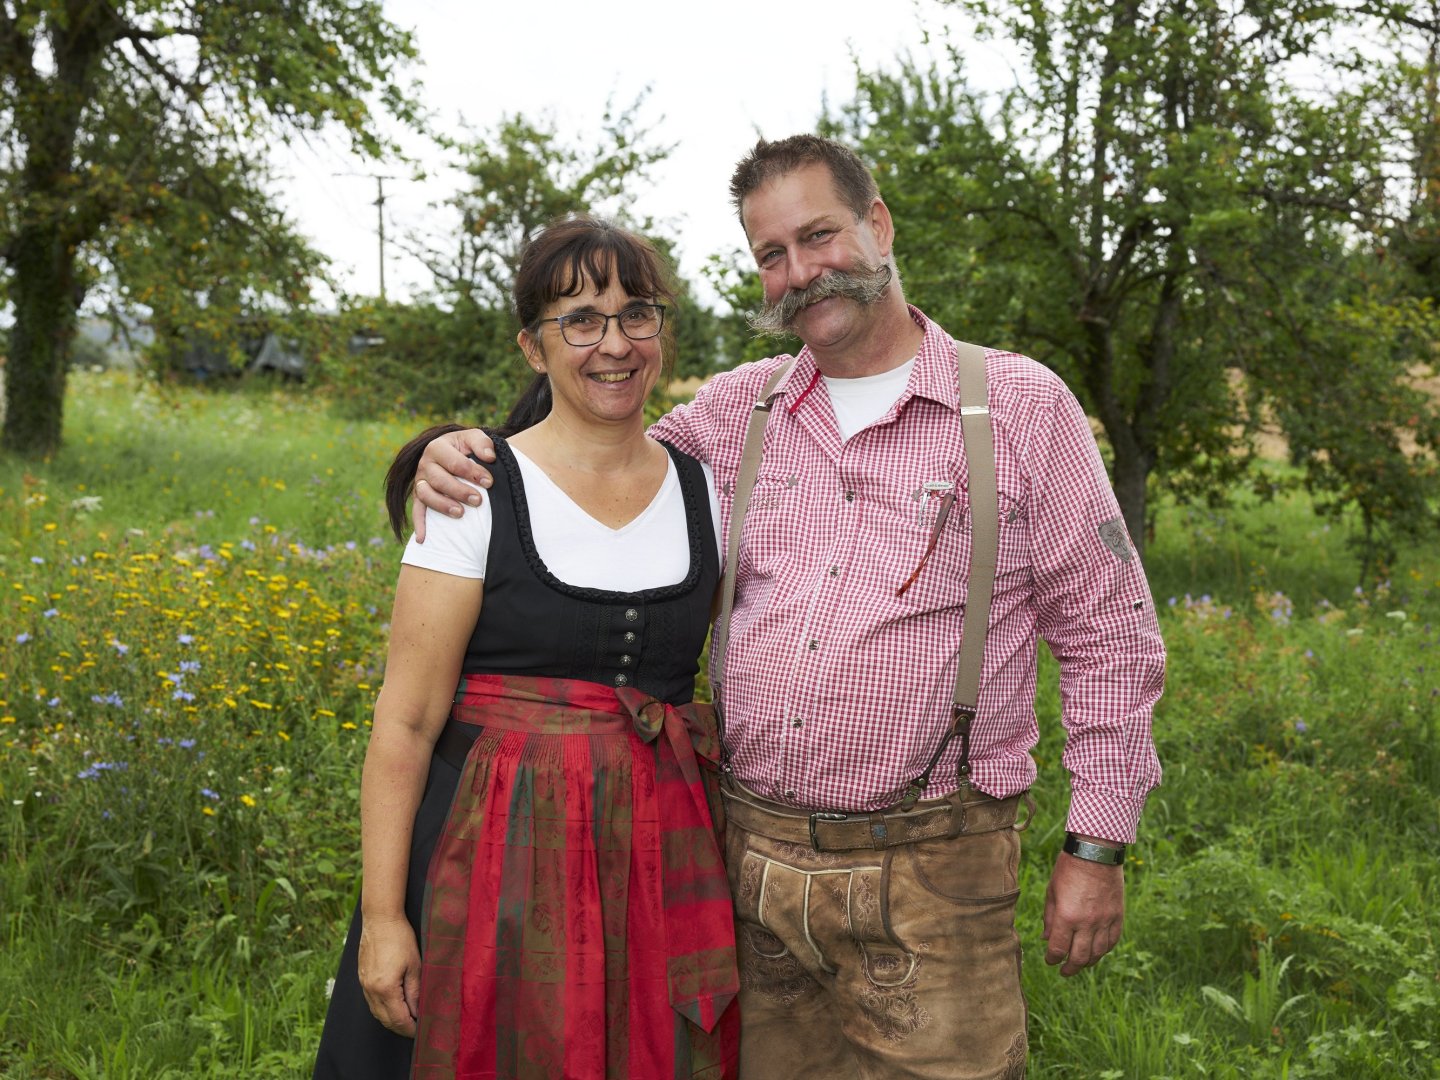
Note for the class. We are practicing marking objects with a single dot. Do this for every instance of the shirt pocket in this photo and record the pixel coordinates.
(940, 580)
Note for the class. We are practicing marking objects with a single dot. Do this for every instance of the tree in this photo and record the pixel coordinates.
(1156, 207)
(132, 135)
(454, 353)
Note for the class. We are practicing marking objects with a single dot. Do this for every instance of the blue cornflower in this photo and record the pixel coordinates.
(120, 647)
(22, 637)
(185, 639)
(53, 702)
(189, 665)
(37, 560)
(183, 695)
(185, 744)
(209, 794)
(50, 613)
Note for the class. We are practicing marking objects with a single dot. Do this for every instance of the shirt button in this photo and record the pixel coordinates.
(625, 661)
(834, 571)
(813, 644)
(797, 722)
(622, 679)
(631, 614)
(629, 637)
(790, 794)
(849, 496)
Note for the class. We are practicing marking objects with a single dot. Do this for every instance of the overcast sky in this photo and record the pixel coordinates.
(717, 74)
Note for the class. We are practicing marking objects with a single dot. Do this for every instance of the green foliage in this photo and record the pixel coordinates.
(1157, 207)
(132, 157)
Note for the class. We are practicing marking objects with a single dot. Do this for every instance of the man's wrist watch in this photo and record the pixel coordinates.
(1096, 853)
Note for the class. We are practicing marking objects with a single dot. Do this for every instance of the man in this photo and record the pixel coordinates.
(898, 957)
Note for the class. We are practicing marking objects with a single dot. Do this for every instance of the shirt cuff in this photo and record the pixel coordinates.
(1096, 812)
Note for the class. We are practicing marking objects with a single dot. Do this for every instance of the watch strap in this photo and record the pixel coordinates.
(1096, 853)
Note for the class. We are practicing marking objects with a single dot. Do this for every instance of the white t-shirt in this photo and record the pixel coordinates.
(649, 552)
(858, 403)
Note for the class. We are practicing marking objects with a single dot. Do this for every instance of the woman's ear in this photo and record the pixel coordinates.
(534, 355)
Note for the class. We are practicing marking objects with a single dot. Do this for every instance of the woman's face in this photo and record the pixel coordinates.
(606, 382)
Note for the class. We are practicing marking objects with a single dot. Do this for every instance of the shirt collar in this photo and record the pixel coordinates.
(933, 375)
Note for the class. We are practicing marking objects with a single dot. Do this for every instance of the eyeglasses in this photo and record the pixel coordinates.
(638, 322)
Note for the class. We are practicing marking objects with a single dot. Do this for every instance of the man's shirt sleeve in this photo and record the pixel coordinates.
(1095, 610)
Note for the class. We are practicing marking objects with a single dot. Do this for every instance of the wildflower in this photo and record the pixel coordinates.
(120, 647)
(37, 560)
(22, 637)
(248, 800)
(1398, 616)
(50, 613)
(182, 695)
(86, 504)
(185, 639)
(207, 811)
(185, 744)
(53, 702)
(209, 794)
(1301, 726)
(189, 665)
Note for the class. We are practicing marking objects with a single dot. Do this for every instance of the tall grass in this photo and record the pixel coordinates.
(187, 669)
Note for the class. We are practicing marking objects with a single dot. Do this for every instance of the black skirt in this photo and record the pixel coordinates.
(354, 1045)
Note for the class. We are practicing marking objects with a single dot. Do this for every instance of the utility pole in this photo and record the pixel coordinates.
(379, 218)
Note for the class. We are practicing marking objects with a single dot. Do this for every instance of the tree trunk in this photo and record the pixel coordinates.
(43, 292)
(1131, 474)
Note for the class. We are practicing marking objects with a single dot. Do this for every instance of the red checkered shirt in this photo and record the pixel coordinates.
(837, 691)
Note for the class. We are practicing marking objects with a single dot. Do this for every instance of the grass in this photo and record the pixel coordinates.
(187, 669)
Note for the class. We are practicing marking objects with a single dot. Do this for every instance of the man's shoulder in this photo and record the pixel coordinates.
(1021, 378)
(742, 384)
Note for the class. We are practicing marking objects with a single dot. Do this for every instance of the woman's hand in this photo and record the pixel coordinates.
(390, 971)
(436, 485)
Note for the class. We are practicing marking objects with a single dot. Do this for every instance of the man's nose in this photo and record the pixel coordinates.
(803, 270)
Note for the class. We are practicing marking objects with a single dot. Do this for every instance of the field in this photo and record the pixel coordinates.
(191, 637)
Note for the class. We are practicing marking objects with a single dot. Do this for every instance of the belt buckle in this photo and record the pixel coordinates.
(822, 815)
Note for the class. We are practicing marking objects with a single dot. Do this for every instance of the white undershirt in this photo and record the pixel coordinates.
(648, 552)
(858, 403)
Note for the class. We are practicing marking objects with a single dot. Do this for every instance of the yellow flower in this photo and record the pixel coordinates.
(247, 800)
(348, 725)
(283, 735)
(207, 811)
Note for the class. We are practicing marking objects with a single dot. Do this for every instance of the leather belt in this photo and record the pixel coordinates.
(959, 814)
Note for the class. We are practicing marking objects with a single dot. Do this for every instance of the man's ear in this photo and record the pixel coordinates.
(881, 226)
(534, 355)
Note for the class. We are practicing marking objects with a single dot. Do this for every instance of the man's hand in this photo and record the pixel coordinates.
(1084, 912)
(445, 459)
(390, 972)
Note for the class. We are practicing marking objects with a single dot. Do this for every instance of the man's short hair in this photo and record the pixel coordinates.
(770, 160)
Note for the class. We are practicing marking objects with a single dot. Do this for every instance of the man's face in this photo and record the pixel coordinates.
(821, 269)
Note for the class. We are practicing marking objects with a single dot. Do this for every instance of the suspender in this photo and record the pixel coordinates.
(979, 447)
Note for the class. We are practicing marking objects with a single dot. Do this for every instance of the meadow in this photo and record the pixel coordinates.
(192, 632)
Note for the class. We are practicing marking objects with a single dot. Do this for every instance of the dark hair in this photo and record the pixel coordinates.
(564, 258)
(402, 471)
(768, 161)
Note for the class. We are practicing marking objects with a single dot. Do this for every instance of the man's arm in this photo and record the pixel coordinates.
(1095, 610)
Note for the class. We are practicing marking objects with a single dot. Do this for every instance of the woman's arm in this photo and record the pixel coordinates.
(433, 619)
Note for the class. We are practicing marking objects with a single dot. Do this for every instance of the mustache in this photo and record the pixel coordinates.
(865, 285)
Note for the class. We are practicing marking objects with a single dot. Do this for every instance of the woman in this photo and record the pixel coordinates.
(550, 812)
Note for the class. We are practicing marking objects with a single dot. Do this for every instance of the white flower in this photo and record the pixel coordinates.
(86, 504)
